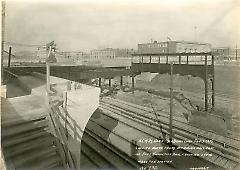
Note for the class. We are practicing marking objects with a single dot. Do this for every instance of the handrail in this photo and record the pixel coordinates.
(177, 58)
(58, 141)
(61, 134)
(172, 54)
(64, 125)
(10, 73)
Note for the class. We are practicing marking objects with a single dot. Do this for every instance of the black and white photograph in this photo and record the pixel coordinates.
(120, 85)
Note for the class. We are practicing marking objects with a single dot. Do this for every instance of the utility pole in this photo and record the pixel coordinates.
(9, 56)
(171, 104)
(48, 72)
(50, 59)
(3, 38)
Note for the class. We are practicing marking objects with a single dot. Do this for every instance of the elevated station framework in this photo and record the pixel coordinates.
(194, 64)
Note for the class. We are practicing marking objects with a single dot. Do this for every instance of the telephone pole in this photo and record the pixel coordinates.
(49, 60)
(3, 38)
(171, 104)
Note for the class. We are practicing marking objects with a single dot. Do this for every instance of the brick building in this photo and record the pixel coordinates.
(111, 53)
(173, 47)
(226, 53)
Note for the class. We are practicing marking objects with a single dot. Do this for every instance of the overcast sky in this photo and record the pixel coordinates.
(86, 25)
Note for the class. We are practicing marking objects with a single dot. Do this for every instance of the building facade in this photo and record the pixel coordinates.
(173, 47)
(226, 53)
(111, 53)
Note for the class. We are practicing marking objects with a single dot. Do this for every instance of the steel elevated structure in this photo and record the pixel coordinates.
(195, 64)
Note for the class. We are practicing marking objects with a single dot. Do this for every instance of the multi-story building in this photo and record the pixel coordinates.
(71, 57)
(222, 53)
(111, 53)
(110, 57)
(226, 53)
(173, 47)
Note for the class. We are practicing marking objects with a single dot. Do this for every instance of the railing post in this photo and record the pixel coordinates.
(65, 125)
(150, 60)
(65, 103)
(159, 59)
(187, 59)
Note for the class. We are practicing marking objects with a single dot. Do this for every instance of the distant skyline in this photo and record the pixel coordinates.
(86, 25)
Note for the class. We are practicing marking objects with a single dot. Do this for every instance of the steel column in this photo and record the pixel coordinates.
(99, 82)
(121, 80)
(132, 84)
(9, 56)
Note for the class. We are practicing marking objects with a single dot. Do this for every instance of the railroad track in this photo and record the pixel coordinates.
(229, 155)
(179, 123)
(226, 141)
(146, 134)
(121, 146)
(102, 154)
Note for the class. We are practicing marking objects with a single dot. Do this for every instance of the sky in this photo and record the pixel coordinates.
(84, 25)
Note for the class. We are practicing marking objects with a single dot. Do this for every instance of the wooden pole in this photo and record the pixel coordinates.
(132, 84)
(206, 84)
(171, 104)
(213, 85)
(9, 56)
(48, 70)
(3, 38)
(48, 76)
